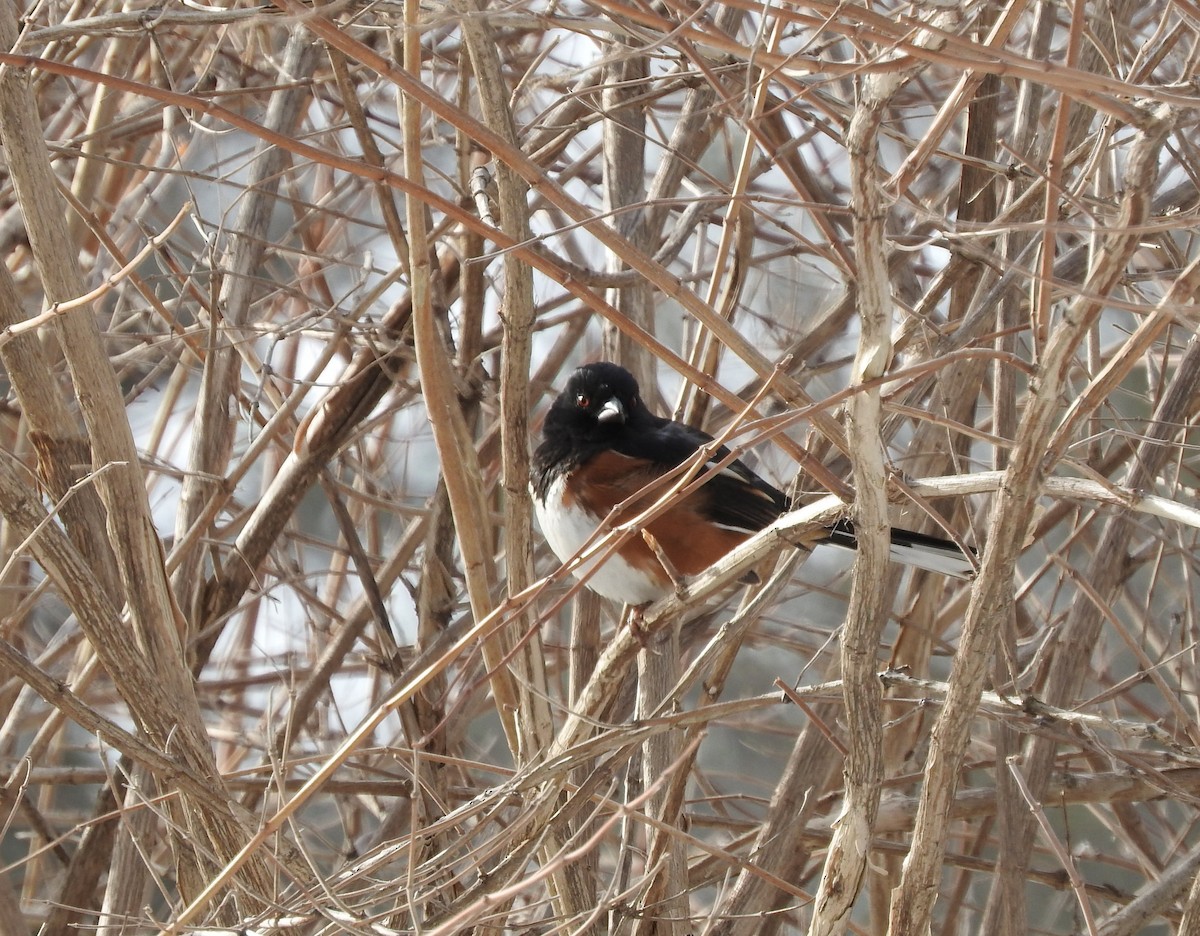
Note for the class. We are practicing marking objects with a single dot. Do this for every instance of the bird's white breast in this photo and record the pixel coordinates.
(567, 526)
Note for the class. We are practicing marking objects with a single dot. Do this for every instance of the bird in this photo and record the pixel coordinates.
(601, 445)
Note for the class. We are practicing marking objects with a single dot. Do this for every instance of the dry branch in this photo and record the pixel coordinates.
(279, 647)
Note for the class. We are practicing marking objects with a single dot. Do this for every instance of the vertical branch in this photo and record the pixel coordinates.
(216, 406)
(1044, 302)
(846, 860)
(515, 351)
(1005, 392)
(459, 463)
(1062, 678)
(1189, 925)
(624, 150)
(731, 257)
(662, 899)
(156, 626)
(573, 890)
(61, 445)
(11, 918)
(992, 598)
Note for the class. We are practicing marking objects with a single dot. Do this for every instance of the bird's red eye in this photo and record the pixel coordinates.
(582, 400)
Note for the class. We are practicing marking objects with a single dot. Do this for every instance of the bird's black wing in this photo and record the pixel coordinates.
(736, 497)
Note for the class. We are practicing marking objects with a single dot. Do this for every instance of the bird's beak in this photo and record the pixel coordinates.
(611, 412)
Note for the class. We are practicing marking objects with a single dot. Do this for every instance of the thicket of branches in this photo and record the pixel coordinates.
(287, 290)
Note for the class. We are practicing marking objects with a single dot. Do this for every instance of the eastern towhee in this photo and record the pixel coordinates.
(601, 446)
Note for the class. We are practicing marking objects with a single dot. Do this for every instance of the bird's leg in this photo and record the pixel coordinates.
(636, 619)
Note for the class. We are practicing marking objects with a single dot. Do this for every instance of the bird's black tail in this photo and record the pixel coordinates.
(914, 549)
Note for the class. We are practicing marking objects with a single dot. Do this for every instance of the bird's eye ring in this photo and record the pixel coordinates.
(582, 400)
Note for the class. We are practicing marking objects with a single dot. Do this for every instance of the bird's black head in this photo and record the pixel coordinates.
(600, 402)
